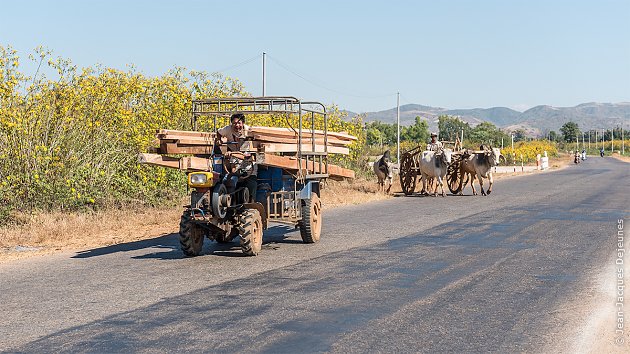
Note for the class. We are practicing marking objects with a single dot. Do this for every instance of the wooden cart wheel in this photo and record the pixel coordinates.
(454, 176)
(408, 173)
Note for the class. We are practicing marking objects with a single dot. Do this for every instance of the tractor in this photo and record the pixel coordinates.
(288, 185)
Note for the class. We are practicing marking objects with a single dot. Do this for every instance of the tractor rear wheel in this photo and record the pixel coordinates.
(251, 230)
(311, 223)
(191, 236)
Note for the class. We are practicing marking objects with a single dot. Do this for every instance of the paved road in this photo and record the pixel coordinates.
(417, 274)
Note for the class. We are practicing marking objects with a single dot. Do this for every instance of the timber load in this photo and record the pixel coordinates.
(268, 143)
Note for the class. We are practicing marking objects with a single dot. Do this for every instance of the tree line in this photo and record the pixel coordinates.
(449, 129)
(570, 132)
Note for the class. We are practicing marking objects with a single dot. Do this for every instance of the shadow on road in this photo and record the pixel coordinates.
(168, 241)
(170, 249)
(420, 195)
(272, 238)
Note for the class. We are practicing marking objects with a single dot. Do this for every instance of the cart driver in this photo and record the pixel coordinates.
(435, 144)
(237, 131)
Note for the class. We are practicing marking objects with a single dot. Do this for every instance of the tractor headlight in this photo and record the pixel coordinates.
(200, 179)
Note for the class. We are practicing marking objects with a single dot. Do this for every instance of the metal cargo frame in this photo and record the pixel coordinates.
(286, 105)
(282, 206)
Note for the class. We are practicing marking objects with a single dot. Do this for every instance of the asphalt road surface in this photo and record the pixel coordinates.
(509, 272)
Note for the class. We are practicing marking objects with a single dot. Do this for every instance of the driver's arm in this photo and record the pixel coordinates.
(222, 132)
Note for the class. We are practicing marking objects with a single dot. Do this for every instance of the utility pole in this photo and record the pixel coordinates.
(623, 142)
(513, 153)
(589, 139)
(398, 127)
(264, 78)
(577, 143)
(596, 139)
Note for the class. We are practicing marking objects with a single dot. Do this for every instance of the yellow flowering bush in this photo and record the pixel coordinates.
(528, 150)
(71, 141)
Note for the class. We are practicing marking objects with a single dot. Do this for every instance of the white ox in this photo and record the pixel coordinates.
(384, 172)
(433, 164)
(480, 165)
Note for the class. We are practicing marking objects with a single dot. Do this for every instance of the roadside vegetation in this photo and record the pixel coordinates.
(69, 136)
(69, 139)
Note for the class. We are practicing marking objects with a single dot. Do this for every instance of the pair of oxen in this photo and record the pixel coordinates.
(434, 165)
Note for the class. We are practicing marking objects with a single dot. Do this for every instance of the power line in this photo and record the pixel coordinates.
(239, 64)
(287, 68)
(402, 98)
(406, 100)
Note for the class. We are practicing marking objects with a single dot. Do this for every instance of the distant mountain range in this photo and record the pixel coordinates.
(535, 121)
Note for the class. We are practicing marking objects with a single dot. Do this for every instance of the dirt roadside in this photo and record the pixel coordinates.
(588, 322)
(621, 158)
(47, 233)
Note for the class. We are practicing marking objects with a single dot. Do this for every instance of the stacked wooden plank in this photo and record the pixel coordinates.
(186, 163)
(266, 142)
(193, 163)
(267, 139)
(185, 142)
(291, 163)
(286, 140)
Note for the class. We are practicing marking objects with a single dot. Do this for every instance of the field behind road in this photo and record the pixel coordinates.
(520, 270)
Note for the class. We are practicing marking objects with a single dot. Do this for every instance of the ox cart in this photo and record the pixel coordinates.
(410, 169)
(456, 178)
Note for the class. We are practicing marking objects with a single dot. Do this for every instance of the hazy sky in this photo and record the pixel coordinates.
(357, 54)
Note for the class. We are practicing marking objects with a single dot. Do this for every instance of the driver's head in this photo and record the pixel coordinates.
(237, 120)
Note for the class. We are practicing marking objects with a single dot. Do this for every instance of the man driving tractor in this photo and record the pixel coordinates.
(237, 135)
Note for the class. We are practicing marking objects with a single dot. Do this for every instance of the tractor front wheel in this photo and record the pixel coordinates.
(190, 235)
(251, 230)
